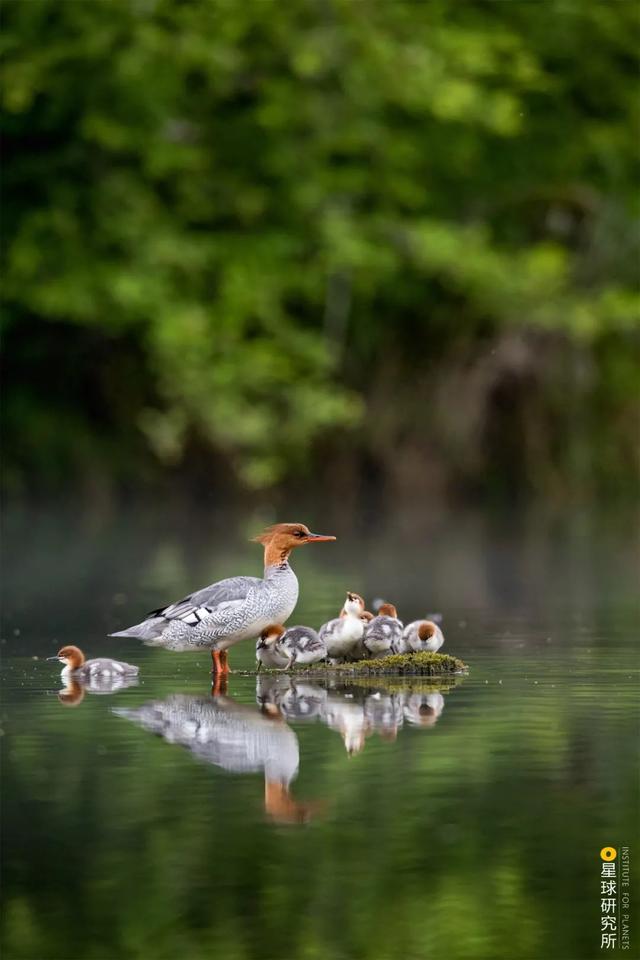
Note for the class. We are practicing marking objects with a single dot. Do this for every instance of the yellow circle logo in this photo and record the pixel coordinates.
(608, 853)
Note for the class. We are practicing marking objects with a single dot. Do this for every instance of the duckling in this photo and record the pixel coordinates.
(342, 634)
(423, 635)
(383, 634)
(268, 652)
(76, 667)
(303, 645)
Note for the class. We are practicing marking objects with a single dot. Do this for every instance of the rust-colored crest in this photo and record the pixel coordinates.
(387, 610)
(426, 630)
(74, 655)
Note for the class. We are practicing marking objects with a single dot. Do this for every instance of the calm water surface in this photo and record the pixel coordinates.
(289, 819)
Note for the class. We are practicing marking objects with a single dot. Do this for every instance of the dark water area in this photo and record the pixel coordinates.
(290, 819)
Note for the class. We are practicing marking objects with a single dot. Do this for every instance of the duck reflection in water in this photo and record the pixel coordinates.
(235, 737)
(73, 692)
(353, 711)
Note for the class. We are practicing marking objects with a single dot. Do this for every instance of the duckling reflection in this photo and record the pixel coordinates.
(297, 700)
(354, 711)
(385, 713)
(346, 715)
(423, 709)
(234, 737)
(72, 694)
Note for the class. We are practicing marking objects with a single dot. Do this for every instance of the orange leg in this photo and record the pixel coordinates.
(219, 685)
(217, 666)
(224, 661)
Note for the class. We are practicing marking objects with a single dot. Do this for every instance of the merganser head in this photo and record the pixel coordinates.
(387, 610)
(426, 630)
(354, 604)
(270, 635)
(281, 538)
(366, 616)
(72, 657)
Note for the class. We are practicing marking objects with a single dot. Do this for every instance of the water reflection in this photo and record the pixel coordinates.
(356, 711)
(245, 739)
(72, 694)
(234, 737)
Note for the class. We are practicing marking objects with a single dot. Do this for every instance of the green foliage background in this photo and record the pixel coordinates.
(372, 241)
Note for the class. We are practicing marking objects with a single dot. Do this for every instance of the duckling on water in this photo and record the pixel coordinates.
(78, 668)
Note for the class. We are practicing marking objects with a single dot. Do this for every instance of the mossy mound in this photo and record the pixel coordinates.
(399, 665)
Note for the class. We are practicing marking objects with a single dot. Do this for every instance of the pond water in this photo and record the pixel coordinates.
(289, 819)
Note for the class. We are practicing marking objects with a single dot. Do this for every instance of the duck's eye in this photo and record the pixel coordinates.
(298, 533)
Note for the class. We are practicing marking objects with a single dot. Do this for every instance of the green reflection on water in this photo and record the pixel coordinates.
(472, 836)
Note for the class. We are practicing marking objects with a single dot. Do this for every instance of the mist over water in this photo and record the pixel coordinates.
(292, 819)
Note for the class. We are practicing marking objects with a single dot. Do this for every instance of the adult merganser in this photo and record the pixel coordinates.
(383, 634)
(235, 609)
(423, 635)
(342, 635)
(89, 672)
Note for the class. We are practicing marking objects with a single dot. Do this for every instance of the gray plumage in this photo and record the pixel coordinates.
(302, 645)
(233, 736)
(382, 636)
(101, 668)
(225, 613)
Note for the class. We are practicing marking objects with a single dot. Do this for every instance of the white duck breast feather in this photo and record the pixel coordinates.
(341, 635)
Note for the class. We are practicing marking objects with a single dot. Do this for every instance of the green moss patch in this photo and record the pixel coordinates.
(399, 665)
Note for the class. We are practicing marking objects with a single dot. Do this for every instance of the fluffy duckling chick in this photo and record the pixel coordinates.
(268, 652)
(343, 634)
(76, 667)
(423, 635)
(303, 645)
(383, 634)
